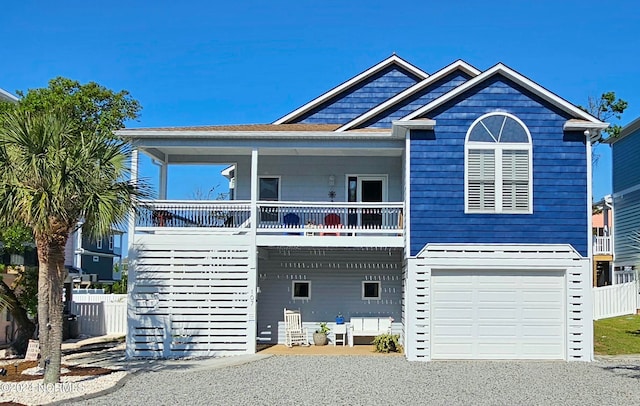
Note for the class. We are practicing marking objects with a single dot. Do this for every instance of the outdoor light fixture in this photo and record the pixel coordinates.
(332, 180)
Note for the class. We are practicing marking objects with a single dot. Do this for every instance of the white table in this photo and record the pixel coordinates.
(342, 330)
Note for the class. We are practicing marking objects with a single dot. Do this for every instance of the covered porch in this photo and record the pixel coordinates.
(324, 282)
(285, 187)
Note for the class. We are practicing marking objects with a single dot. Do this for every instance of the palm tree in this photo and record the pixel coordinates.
(51, 176)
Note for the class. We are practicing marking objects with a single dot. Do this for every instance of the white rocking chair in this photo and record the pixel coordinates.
(293, 331)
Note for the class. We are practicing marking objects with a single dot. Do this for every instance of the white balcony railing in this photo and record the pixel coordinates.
(331, 218)
(192, 213)
(602, 245)
(274, 217)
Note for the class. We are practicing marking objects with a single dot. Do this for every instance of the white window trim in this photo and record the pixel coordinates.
(498, 147)
(96, 258)
(111, 242)
(293, 283)
(99, 243)
(379, 297)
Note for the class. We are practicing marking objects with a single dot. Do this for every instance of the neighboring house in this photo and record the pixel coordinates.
(93, 259)
(625, 159)
(456, 203)
(602, 226)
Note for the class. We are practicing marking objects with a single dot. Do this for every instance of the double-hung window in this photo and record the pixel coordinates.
(498, 167)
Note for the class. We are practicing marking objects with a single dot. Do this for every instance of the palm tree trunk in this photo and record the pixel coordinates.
(25, 326)
(50, 280)
(44, 326)
(56, 279)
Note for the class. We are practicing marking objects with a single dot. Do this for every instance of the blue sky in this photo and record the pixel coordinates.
(206, 62)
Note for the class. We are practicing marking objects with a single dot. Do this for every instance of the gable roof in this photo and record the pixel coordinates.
(457, 65)
(6, 96)
(392, 60)
(505, 71)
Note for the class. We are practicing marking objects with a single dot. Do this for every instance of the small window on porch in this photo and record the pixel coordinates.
(301, 290)
(371, 290)
(96, 258)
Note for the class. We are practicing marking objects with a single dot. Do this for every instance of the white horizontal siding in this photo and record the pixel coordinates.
(192, 295)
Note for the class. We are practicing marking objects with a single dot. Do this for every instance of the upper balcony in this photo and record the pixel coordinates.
(280, 223)
(602, 245)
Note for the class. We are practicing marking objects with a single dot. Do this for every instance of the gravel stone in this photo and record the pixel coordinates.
(360, 380)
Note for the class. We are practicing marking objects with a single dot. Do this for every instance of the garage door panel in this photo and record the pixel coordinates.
(453, 330)
(497, 296)
(502, 314)
(491, 313)
(494, 331)
(543, 313)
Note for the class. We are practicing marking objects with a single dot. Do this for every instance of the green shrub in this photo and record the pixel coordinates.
(387, 343)
(324, 329)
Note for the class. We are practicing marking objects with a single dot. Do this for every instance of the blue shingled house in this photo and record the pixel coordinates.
(625, 151)
(456, 204)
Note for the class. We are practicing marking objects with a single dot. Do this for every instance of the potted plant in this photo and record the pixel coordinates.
(320, 336)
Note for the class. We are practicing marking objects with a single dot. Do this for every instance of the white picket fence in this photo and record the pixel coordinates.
(100, 314)
(615, 300)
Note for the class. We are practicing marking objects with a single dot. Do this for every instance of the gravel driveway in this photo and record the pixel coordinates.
(352, 380)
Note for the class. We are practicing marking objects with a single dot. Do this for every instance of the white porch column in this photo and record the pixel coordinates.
(130, 345)
(254, 191)
(252, 312)
(77, 256)
(162, 192)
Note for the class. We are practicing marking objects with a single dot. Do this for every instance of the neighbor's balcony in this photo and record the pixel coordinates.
(304, 219)
(602, 245)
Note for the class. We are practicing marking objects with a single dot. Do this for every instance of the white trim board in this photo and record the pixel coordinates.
(457, 65)
(511, 74)
(4, 95)
(393, 59)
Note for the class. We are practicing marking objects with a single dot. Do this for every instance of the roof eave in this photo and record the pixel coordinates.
(626, 130)
(139, 134)
(6, 96)
(400, 127)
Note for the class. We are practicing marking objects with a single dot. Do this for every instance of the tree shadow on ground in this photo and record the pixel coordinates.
(626, 370)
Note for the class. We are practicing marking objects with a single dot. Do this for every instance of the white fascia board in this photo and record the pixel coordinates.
(356, 79)
(457, 65)
(400, 127)
(514, 76)
(4, 95)
(155, 134)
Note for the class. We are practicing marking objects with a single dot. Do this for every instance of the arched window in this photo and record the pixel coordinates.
(498, 173)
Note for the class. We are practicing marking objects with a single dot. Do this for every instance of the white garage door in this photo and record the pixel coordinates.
(497, 315)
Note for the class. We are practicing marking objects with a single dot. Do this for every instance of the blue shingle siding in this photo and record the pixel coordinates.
(414, 102)
(360, 98)
(626, 161)
(559, 175)
(626, 218)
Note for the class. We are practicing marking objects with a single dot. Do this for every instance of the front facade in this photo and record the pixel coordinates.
(625, 157)
(455, 204)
